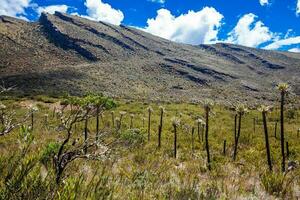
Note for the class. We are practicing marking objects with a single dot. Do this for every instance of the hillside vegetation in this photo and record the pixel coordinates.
(124, 159)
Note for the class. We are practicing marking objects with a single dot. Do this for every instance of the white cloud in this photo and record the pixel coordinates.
(298, 8)
(99, 11)
(158, 1)
(264, 2)
(191, 28)
(14, 8)
(283, 42)
(250, 32)
(51, 9)
(295, 50)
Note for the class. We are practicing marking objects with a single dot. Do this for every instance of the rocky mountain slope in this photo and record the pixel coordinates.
(63, 53)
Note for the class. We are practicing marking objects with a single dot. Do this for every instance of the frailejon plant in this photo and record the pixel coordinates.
(118, 124)
(283, 88)
(224, 147)
(162, 110)
(150, 110)
(95, 102)
(264, 110)
(122, 114)
(175, 123)
(200, 124)
(235, 127)
(86, 132)
(33, 109)
(193, 143)
(241, 110)
(287, 150)
(131, 121)
(208, 104)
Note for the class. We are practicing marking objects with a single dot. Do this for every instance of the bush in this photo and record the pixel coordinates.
(48, 153)
(133, 137)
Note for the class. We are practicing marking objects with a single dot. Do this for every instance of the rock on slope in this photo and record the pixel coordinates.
(68, 53)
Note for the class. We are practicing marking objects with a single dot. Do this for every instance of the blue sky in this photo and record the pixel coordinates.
(269, 24)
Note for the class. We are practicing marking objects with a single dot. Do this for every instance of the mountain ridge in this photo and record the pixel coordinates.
(61, 53)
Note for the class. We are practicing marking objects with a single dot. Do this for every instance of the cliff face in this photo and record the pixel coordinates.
(68, 53)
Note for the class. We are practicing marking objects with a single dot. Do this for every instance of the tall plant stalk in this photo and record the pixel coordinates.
(241, 110)
(160, 125)
(193, 145)
(283, 88)
(175, 123)
(97, 122)
(131, 121)
(264, 110)
(275, 130)
(150, 110)
(207, 107)
(85, 134)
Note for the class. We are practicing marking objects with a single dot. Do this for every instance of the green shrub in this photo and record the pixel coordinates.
(133, 137)
(48, 152)
(273, 183)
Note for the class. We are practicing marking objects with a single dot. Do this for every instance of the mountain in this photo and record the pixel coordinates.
(64, 53)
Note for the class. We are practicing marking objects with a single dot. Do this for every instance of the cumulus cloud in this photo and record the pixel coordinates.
(14, 8)
(264, 2)
(295, 50)
(250, 32)
(51, 9)
(298, 8)
(283, 42)
(191, 28)
(99, 11)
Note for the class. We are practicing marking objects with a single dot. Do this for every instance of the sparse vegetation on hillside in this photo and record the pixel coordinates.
(64, 157)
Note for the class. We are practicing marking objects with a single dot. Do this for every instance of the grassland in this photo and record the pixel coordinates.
(136, 168)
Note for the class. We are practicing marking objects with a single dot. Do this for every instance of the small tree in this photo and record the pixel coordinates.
(264, 110)
(9, 121)
(207, 107)
(241, 110)
(283, 88)
(78, 113)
